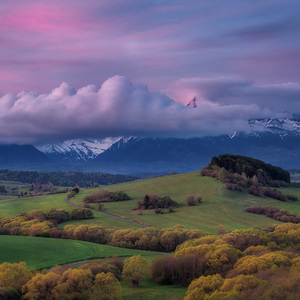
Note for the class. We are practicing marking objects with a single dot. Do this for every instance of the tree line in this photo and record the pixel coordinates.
(258, 182)
(250, 166)
(275, 213)
(69, 178)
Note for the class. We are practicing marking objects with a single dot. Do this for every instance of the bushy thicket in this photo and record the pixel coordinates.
(96, 280)
(250, 166)
(274, 213)
(191, 200)
(258, 185)
(106, 196)
(38, 223)
(152, 201)
(242, 264)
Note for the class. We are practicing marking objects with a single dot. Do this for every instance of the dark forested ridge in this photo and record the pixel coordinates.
(64, 178)
(250, 166)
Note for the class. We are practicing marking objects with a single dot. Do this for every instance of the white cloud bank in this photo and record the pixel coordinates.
(120, 108)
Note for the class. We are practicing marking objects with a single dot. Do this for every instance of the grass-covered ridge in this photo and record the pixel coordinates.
(47, 252)
(220, 206)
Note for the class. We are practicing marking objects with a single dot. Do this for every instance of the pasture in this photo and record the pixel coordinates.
(41, 253)
(220, 206)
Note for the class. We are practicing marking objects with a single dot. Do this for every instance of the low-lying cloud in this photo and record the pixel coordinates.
(270, 98)
(120, 108)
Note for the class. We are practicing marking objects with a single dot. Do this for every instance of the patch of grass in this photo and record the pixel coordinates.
(45, 252)
(150, 290)
(101, 220)
(15, 206)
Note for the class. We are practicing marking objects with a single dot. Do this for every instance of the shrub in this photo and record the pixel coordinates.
(106, 196)
(81, 214)
(190, 200)
(153, 201)
(273, 193)
(274, 213)
(291, 197)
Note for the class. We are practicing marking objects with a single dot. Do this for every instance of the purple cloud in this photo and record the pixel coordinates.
(275, 98)
(117, 108)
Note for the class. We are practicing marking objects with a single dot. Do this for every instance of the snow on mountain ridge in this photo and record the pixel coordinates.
(78, 149)
(281, 125)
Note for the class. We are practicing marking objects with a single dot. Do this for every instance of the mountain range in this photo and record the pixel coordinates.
(275, 141)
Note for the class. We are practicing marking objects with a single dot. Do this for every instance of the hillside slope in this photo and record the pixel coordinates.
(220, 206)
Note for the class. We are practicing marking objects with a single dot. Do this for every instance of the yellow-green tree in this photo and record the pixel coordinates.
(106, 287)
(40, 287)
(74, 284)
(134, 269)
(222, 174)
(202, 287)
(252, 264)
(14, 275)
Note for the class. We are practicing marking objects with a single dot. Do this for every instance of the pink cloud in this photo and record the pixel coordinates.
(117, 108)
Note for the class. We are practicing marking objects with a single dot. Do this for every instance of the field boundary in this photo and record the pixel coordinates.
(108, 214)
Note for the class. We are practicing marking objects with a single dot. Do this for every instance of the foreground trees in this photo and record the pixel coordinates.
(134, 269)
(87, 282)
(242, 264)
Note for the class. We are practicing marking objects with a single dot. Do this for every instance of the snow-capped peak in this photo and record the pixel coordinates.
(77, 150)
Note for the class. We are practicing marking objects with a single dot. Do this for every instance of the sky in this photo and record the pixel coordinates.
(77, 69)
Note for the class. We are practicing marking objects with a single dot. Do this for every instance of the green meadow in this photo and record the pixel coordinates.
(220, 206)
(41, 253)
(15, 206)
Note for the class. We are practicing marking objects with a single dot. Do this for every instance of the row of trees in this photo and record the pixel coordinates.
(38, 223)
(274, 213)
(106, 196)
(70, 178)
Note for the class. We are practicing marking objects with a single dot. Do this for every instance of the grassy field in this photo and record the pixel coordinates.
(45, 252)
(12, 206)
(15, 206)
(219, 206)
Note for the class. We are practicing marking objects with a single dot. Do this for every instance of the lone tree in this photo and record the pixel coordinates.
(134, 269)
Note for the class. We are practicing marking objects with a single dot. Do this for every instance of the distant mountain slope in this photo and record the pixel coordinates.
(192, 154)
(24, 154)
(77, 150)
(276, 141)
